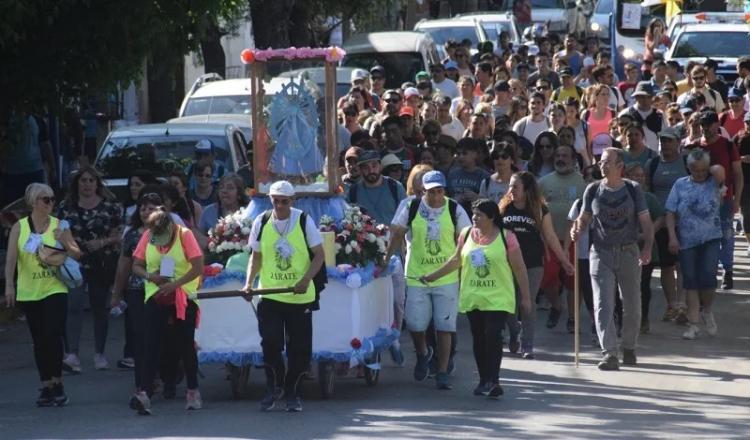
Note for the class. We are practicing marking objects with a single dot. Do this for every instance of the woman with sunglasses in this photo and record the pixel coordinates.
(129, 288)
(205, 191)
(350, 112)
(503, 157)
(543, 159)
(96, 220)
(38, 291)
(169, 260)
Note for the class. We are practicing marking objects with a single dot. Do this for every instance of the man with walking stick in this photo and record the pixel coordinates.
(614, 208)
(287, 252)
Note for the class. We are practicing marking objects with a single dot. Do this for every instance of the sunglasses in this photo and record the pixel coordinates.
(282, 202)
(392, 101)
(698, 78)
(350, 114)
(47, 200)
(377, 78)
(735, 100)
(503, 156)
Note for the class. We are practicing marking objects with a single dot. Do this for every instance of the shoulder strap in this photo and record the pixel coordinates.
(555, 94)
(652, 167)
(413, 210)
(522, 127)
(263, 221)
(590, 197)
(353, 193)
(486, 183)
(631, 191)
(393, 186)
(452, 208)
(303, 224)
(579, 91)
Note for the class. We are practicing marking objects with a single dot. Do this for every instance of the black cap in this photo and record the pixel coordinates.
(367, 156)
(565, 71)
(709, 117)
(378, 68)
(711, 64)
(502, 86)
(643, 88)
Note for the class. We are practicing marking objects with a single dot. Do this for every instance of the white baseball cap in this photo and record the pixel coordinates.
(358, 74)
(281, 188)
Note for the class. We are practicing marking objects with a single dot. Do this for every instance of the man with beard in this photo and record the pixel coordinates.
(561, 188)
(431, 226)
(391, 105)
(645, 115)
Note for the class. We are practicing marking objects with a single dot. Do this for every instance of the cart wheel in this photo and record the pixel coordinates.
(235, 380)
(326, 377)
(372, 376)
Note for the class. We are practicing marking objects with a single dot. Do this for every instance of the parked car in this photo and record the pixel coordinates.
(599, 21)
(722, 42)
(492, 23)
(685, 18)
(317, 76)
(402, 54)
(163, 148)
(457, 29)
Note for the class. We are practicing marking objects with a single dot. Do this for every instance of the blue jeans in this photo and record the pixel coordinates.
(699, 264)
(726, 255)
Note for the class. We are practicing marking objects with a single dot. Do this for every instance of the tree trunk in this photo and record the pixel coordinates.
(214, 59)
(299, 29)
(162, 86)
(271, 22)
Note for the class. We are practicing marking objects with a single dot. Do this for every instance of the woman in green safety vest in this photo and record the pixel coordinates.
(169, 260)
(39, 291)
(490, 258)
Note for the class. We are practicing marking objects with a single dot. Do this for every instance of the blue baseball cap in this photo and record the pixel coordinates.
(433, 179)
(734, 92)
(451, 65)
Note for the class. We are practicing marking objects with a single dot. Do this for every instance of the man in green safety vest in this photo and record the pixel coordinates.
(286, 253)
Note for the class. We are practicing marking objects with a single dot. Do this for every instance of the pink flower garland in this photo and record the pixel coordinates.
(331, 54)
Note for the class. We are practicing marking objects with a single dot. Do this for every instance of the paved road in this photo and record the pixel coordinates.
(680, 389)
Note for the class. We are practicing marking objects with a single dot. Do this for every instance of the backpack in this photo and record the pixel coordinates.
(414, 209)
(556, 93)
(502, 235)
(321, 277)
(392, 186)
(628, 184)
(653, 165)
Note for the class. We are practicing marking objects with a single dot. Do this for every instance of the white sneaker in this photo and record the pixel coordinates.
(193, 400)
(692, 332)
(100, 362)
(708, 319)
(72, 364)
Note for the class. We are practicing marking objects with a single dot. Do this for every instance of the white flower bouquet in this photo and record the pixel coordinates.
(230, 236)
(359, 240)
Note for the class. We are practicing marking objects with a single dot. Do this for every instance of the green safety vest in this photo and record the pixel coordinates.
(36, 281)
(490, 287)
(277, 272)
(426, 256)
(181, 267)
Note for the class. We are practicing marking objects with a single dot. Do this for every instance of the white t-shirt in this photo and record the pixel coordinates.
(447, 87)
(282, 227)
(456, 101)
(532, 129)
(454, 129)
(402, 216)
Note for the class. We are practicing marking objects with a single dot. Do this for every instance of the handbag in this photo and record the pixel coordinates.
(68, 269)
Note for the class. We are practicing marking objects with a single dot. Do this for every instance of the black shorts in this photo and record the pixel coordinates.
(661, 240)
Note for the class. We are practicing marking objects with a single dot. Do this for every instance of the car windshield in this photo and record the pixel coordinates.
(546, 4)
(209, 105)
(712, 44)
(158, 154)
(604, 6)
(493, 29)
(456, 33)
(399, 66)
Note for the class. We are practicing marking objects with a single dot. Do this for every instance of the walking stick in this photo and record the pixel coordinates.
(576, 306)
(235, 293)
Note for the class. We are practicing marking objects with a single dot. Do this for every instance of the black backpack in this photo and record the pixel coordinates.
(414, 209)
(628, 184)
(321, 277)
(653, 165)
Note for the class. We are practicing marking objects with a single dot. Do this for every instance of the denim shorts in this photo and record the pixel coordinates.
(437, 303)
(699, 265)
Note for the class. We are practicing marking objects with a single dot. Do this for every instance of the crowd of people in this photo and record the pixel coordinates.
(505, 166)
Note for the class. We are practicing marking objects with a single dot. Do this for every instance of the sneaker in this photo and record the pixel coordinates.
(100, 362)
(433, 368)
(58, 394)
(46, 397)
(293, 404)
(495, 391)
(141, 403)
(396, 354)
(528, 355)
(272, 396)
(442, 382)
(670, 314)
(681, 318)
(628, 357)
(645, 326)
(193, 399)
(609, 363)
(169, 391)
(728, 282)
(554, 317)
(514, 344)
(708, 319)
(127, 363)
(692, 332)
(482, 389)
(72, 364)
(570, 325)
(422, 367)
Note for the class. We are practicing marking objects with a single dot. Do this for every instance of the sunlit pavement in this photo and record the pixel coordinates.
(680, 389)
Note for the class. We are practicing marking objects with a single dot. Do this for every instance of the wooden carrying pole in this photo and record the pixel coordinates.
(576, 305)
(235, 293)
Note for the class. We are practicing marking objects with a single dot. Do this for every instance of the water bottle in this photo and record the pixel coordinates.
(119, 309)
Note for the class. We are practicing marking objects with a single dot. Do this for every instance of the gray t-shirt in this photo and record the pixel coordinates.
(665, 176)
(378, 202)
(614, 213)
(494, 190)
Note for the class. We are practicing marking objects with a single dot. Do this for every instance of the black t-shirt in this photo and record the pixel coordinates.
(742, 141)
(528, 233)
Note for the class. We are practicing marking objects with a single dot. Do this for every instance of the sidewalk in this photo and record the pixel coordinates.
(680, 389)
